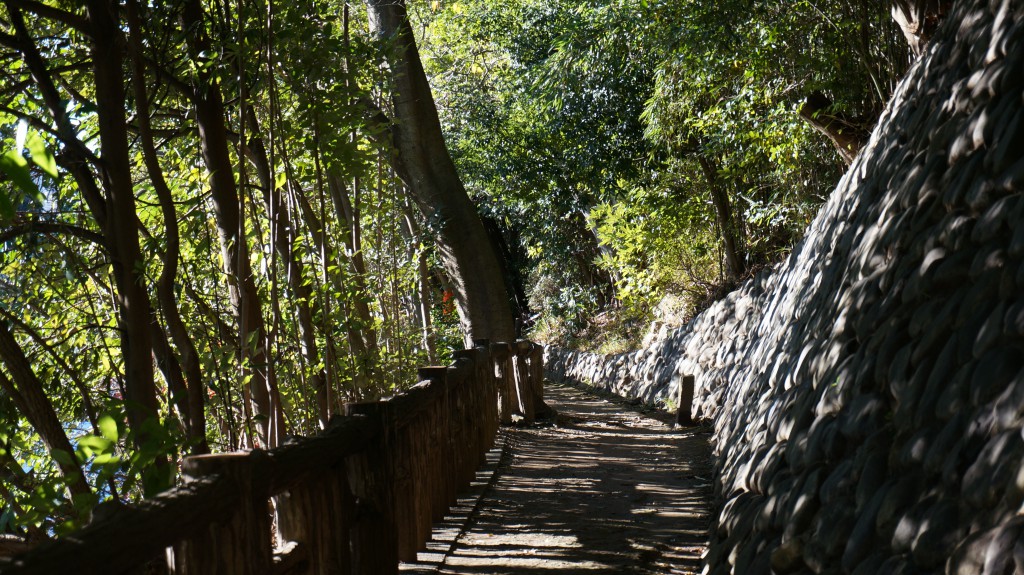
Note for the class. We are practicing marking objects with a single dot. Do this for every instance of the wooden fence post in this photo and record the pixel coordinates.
(481, 403)
(240, 544)
(541, 410)
(501, 355)
(459, 381)
(403, 455)
(683, 417)
(523, 386)
(487, 386)
(439, 451)
(316, 514)
(423, 469)
(371, 476)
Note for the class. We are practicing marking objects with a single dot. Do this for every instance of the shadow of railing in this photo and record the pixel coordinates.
(596, 493)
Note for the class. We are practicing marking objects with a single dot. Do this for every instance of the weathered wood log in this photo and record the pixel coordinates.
(490, 403)
(422, 511)
(439, 457)
(405, 407)
(478, 413)
(294, 463)
(408, 411)
(487, 398)
(241, 542)
(437, 450)
(458, 374)
(402, 458)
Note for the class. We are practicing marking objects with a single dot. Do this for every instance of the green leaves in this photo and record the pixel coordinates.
(41, 154)
(91, 445)
(16, 168)
(108, 427)
(19, 172)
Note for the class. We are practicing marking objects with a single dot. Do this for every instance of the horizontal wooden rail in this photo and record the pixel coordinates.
(356, 498)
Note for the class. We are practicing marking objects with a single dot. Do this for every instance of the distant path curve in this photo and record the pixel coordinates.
(607, 489)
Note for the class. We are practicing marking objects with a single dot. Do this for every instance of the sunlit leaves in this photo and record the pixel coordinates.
(601, 108)
(41, 154)
(17, 169)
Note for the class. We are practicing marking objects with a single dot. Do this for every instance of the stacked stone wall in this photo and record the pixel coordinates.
(867, 394)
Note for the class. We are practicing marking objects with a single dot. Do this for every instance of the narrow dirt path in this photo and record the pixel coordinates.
(604, 489)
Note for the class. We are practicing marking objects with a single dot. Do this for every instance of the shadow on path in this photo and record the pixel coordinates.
(605, 489)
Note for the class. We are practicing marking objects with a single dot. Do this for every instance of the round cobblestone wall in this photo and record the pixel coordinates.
(868, 393)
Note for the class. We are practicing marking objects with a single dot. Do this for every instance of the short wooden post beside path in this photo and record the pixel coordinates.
(684, 417)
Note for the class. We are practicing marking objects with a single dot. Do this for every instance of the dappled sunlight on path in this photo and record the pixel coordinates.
(604, 490)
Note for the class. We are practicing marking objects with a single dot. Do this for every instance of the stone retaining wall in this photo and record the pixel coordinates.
(868, 394)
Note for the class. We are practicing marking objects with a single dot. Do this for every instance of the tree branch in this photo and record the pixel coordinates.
(90, 410)
(54, 228)
(31, 400)
(40, 73)
(847, 134)
(9, 41)
(381, 131)
(39, 9)
(32, 120)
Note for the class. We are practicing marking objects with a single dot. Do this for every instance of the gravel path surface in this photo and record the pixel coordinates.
(604, 489)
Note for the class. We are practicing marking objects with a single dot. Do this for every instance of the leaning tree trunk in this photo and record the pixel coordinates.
(735, 262)
(194, 412)
(26, 390)
(919, 19)
(847, 134)
(426, 167)
(120, 227)
(209, 107)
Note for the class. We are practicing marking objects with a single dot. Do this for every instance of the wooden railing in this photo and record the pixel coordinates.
(357, 498)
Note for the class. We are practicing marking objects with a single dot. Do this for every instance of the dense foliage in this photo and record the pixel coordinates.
(641, 147)
(205, 243)
(261, 323)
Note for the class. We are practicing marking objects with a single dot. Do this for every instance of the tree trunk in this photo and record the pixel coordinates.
(302, 292)
(509, 257)
(194, 411)
(347, 218)
(362, 338)
(29, 397)
(234, 247)
(427, 168)
(586, 251)
(919, 19)
(120, 226)
(847, 134)
(735, 262)
(170, 367)
(423, 303)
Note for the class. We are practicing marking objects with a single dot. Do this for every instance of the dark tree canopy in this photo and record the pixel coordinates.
(220, 221)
